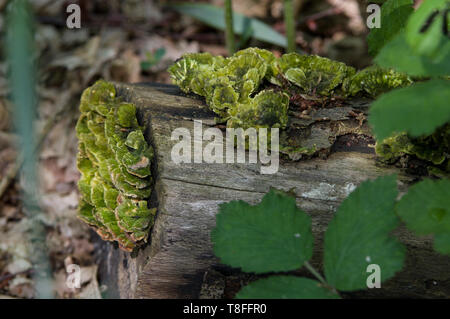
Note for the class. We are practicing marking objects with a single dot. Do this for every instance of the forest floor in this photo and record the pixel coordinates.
(128, 41)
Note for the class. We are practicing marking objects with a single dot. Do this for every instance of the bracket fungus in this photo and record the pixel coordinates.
(114, 161)
(313, 73)
(229, 84)
(432, 149)
(253, 88)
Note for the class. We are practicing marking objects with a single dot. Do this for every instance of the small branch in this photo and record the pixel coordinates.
(289, 25)
(229, 32)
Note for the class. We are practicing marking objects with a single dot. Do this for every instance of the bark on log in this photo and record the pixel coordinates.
(179, 258)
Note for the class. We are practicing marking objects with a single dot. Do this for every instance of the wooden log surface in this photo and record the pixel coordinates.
(178, 262)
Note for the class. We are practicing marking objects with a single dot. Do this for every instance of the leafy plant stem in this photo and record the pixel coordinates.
(315, 273)
(229, 32)
(320, 277)
(289, 25)
(19, 42)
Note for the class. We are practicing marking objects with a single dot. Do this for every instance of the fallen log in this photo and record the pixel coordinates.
(178, 262)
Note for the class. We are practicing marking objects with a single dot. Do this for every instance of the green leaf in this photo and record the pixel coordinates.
(153, 58)
(442, 243)
(418, 109)
(397, 54)
(424, 31)
(426, 210)
(159, 54)
(359, 236)
(214, 17)
(394, 15)
(272, 236)
(285, 287)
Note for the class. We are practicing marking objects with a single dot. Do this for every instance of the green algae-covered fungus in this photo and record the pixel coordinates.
(374, 81)
(231, 85)
(314, 73)
(432, 148)
(114, 161)
(253, 88)
(267, 109)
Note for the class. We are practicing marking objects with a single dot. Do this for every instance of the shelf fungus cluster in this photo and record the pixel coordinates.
(433, 149)
(253, 88)
(232, 86)
(114, 160)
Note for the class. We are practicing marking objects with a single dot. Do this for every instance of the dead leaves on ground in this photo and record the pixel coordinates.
(69, 61)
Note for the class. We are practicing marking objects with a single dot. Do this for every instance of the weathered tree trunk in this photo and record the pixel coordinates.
(179, 259)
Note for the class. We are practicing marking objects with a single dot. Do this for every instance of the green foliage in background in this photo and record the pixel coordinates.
(418, 109)
(214, 17)
(20, 49)
(290, 25)
(394, 15)
(229, 32)
(153, 58)
(420, 49)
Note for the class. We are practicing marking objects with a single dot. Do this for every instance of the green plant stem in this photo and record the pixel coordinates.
(229, 32)
(320, 278)
(316, 273)
(19, 44)
(289, 25)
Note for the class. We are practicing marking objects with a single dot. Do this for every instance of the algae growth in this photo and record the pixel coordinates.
(114, 160)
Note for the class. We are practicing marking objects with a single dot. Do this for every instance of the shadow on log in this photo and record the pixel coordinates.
(179, 262)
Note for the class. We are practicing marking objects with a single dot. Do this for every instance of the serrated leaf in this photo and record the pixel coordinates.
(418, 109)
(272, 236)
(394, 15)
(285, 287)
(426, 210)
(397, 54)
(424, 31)
(214, 17)
(359, 236)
